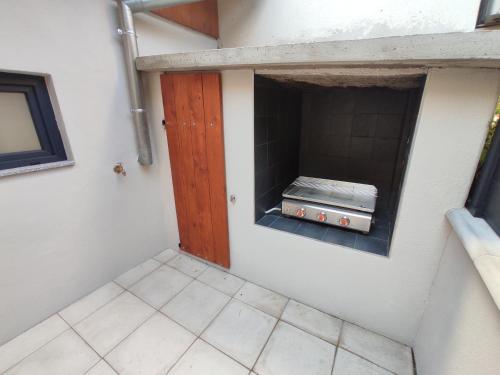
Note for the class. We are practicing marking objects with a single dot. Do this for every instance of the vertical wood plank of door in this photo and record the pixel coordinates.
(187, 168)
(179, 178)
(203, 187)
(212, 102)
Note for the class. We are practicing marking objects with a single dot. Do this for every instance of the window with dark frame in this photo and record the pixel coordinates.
(29, 134)
(489, 13)
(484, 198)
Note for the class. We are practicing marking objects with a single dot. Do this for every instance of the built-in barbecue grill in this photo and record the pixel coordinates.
(340, 203)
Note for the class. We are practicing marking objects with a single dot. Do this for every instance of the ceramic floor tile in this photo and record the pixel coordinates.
(160, 286)
(291, 351)
(262, 299)
(267, 220)
(222, 281)
(196, 306)
(166, 255)
(135, 274)
(371, 244)
(340, 237)
(109, 325)
(204, 359)
(313, 321)
(102, 368)
(188, 265)
(26, 343)
(90, 303)
(240, 331)
(377, 349)
(286, 224)
(152, 349)
(349, 364)
(311, 230)
(66, 354)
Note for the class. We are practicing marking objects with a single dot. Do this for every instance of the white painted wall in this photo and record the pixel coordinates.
(67, 231)
(268, 22)
(459, 332)
(387, 295)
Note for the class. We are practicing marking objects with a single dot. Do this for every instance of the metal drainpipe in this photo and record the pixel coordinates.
(126, 8)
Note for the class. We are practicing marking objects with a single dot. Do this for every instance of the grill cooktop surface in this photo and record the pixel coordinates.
(359, 197)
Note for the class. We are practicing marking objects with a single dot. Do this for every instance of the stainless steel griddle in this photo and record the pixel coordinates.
(340, 203)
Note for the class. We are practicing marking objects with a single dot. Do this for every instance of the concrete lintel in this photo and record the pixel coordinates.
(479, 49)
(398, 78)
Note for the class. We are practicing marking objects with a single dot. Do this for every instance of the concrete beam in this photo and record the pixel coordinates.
(479, 49)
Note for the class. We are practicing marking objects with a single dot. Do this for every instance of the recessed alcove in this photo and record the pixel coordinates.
(340, 127)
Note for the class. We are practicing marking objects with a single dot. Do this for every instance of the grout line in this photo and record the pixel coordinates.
(213, 287)
(90, 346)
(309, 333)
(166, 302)
(189, 329)
(220, 291)
(142, 277)
(296, 230)
(198, 337)
(94, 311)
(40, 347)
(226, 354)
(268, 338)
(127, 336)
(322, 238)
(181, 356)
(378, 334)
(368, 360)
(94, 365)
(414, 362)
(109, 364)
(337, 347)
(215, 317)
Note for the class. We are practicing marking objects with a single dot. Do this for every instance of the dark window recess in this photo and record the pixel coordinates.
(489, 13)
(484, 198)
(49, 146)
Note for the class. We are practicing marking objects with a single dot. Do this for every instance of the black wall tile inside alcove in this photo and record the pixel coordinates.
(276, 137)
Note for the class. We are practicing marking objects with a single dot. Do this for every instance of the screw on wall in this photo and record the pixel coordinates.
(232, 199)
(119, 169)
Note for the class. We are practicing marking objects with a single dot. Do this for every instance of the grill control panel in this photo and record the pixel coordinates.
(331, 215)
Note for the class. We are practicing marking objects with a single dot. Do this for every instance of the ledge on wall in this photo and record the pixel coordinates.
(483, 246)
(477, 49)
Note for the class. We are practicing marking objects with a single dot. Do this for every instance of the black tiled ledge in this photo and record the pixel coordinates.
(376, 242)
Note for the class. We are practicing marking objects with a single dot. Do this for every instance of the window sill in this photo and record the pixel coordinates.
(483, 246)
(36, 168)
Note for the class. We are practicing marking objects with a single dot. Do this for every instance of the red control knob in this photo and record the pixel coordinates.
(301, 212)
(322, 217)
(344, 221)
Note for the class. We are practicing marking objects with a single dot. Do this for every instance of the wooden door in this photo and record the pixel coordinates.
(193, 115)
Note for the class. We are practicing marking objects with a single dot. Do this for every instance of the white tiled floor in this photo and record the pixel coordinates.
(175, 315)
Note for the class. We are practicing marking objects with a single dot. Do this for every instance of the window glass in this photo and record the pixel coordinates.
(29, 134)
(484, 198)
(17, 130)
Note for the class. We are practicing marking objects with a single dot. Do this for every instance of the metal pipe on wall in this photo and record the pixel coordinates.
(126, 8)
(145, 5)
